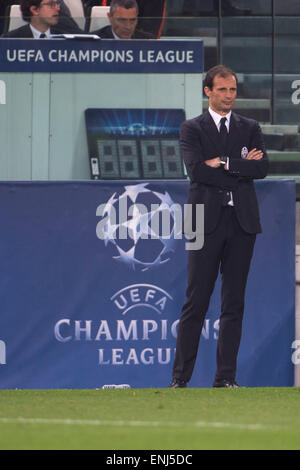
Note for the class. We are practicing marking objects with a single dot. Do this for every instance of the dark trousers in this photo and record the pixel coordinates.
(229, 249)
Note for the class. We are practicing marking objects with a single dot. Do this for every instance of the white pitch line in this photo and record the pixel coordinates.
(96, 422)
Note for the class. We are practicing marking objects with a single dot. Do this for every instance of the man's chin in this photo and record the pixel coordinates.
(54, 20)
(227, 107)
(126, 36)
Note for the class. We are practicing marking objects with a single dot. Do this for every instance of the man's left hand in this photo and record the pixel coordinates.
(254, 154)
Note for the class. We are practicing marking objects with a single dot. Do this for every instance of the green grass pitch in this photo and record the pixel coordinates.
(143, 419)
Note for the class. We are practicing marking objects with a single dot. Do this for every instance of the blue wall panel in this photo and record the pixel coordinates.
(81, 312)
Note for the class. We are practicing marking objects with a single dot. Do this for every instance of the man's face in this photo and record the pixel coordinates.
(123, 22)
(222, 95)
(47, 12)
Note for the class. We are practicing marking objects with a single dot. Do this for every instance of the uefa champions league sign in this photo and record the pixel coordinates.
(101, 56)
(101, 274)
(140, 227)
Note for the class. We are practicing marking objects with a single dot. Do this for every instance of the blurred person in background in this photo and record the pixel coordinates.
(123, 17)
(64, 24)
(150, 18)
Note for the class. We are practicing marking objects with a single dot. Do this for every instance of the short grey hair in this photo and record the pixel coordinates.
(123, 4)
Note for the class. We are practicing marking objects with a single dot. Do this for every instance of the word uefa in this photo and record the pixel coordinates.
(137, 222)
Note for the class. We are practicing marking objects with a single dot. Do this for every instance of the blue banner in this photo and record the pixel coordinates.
(101, 56)
(82, 307)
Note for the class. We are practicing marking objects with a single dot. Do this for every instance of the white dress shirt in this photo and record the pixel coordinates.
(217, 120)
(36, 33)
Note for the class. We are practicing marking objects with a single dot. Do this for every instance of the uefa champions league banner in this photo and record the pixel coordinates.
(77, 54)
(84, 308)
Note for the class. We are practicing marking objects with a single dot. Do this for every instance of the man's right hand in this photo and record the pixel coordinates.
(213, 162)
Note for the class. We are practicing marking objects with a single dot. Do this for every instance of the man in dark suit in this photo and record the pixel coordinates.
(152, 14)
(123, 17)
(223, 153)
(44, 17)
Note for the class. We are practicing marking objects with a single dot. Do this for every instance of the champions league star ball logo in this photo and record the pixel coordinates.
(141, 225)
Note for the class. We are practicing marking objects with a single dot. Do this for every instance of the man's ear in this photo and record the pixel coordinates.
(207, 91)
(34, 10)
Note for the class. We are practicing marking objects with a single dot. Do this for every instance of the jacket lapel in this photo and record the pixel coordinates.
(212, 132)
(234, 133)
(235, 129)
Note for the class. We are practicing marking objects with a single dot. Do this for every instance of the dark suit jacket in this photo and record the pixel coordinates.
(106, 33)
(199, 139)
(151, 14)
(66, 24)
(22, 32)
(25, 31)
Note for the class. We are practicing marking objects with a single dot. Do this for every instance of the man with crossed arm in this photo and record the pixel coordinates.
(223, 153)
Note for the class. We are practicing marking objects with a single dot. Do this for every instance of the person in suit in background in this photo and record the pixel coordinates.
(223, 153)
(44, 17)
(151, 15)
(123, 17)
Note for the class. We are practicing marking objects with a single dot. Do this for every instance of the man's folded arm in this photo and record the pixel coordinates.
(196, 167)
(255, 169)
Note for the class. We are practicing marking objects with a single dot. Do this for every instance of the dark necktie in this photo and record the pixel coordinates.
(223, 135)
(42, 36)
